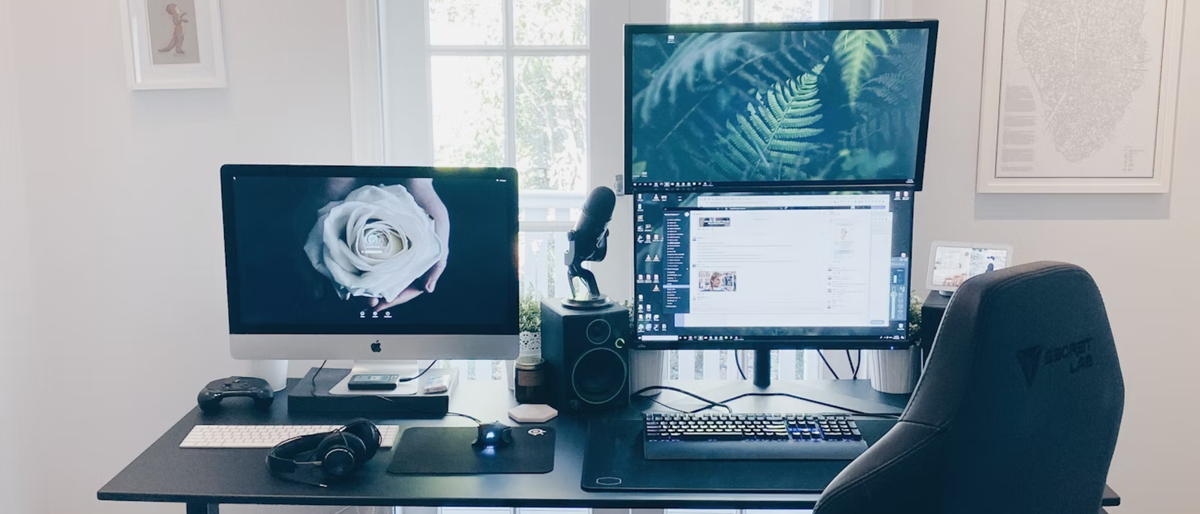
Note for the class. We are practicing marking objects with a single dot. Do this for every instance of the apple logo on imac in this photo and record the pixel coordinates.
(376, 347)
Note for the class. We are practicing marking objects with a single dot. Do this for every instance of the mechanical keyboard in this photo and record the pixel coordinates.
(265, 436)
(751, 437)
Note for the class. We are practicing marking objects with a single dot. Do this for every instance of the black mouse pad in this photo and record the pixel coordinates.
(448, 451)
(614, 462)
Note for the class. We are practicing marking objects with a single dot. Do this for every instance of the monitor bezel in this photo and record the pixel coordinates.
(509, 301)
(918, 181)
(786, 342)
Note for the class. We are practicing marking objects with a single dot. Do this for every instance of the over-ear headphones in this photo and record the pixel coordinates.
(328, 457)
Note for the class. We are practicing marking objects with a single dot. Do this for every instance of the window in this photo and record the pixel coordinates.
(737, 11)
(496, 83)
(509, 88)
(534, 84)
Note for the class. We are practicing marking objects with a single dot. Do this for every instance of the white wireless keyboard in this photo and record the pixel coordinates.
(265, 436)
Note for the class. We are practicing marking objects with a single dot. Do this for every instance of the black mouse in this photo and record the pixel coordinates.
(493, 435)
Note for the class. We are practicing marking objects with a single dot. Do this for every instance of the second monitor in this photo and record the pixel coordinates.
(759, 104)
(798, 269)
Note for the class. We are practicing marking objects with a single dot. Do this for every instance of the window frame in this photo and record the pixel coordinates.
(391, 56)
(368, 100)
(510, 51)
(369, 103)
(825, 9)
(371, 109)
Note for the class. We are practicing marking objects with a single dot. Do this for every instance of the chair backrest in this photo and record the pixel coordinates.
(1017, 411)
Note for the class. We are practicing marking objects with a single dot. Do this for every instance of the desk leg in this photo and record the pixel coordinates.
(203, 508)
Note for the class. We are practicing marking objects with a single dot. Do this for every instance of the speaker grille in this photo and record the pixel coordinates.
(599, 375)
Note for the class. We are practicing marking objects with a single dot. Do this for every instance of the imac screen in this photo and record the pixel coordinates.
(371, 254)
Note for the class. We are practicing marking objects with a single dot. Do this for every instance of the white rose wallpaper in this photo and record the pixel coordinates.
(359, 252)
(374, 243)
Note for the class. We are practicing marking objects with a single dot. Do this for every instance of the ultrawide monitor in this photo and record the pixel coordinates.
(835, 103)
(812, 269)
(385, 263)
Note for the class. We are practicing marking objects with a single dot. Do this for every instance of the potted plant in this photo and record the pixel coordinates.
(529, 324)
(896, 371)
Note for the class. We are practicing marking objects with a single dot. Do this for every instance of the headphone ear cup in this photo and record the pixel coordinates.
(368, 433)
(341, 454)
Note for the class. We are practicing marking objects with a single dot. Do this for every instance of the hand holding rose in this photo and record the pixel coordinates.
(380, 240)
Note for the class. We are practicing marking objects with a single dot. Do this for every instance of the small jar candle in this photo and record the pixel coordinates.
(530, 386)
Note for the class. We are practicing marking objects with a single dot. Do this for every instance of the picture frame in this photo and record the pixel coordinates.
(1035, 138)
(173, 44)
(972, 255)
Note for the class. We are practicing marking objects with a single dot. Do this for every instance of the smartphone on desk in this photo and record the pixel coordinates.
(373, 382)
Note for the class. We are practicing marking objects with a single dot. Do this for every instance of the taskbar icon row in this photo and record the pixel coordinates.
(711, 338)
(670, 185)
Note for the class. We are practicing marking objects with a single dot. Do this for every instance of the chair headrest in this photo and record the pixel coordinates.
(1038, 330)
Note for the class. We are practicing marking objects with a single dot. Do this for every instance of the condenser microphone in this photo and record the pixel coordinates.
(591, 231)
(589, 242)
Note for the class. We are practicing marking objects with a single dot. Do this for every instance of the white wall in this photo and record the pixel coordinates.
(124, 203)
(127, 279)
(1140, 249)
(15, 329)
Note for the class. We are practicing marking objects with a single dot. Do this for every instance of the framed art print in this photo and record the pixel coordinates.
(1079, 99)
(173, 44)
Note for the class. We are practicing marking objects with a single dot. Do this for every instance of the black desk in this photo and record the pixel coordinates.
(205, 478)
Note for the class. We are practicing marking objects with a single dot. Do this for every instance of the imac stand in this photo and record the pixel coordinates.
(405, 368)
(325, 391)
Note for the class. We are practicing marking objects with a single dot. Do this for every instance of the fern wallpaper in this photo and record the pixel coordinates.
(777, 106)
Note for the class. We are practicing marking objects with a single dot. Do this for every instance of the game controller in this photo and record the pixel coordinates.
(233, 387)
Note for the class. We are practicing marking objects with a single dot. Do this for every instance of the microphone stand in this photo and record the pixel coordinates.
(576, 270)
(575, 258)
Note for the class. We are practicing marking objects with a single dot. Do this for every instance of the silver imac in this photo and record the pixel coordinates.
(371, 263)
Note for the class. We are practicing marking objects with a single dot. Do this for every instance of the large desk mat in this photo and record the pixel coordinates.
(614, 462)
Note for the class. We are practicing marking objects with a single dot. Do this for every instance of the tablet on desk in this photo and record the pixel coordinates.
(952, 263)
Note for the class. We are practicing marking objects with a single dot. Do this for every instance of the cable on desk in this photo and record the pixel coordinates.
(419, 375)
(702, 409)
(827, 366)
(723, 403)
(314, 377)
(693, 411)
(818, 402)
(737, 360)
(853, 368)
(710, 403)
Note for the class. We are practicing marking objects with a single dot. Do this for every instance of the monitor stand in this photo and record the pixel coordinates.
(762, 396)
(405, 369)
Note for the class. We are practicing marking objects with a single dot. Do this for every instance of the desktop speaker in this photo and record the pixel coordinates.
(587, 359)
(931, 318)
